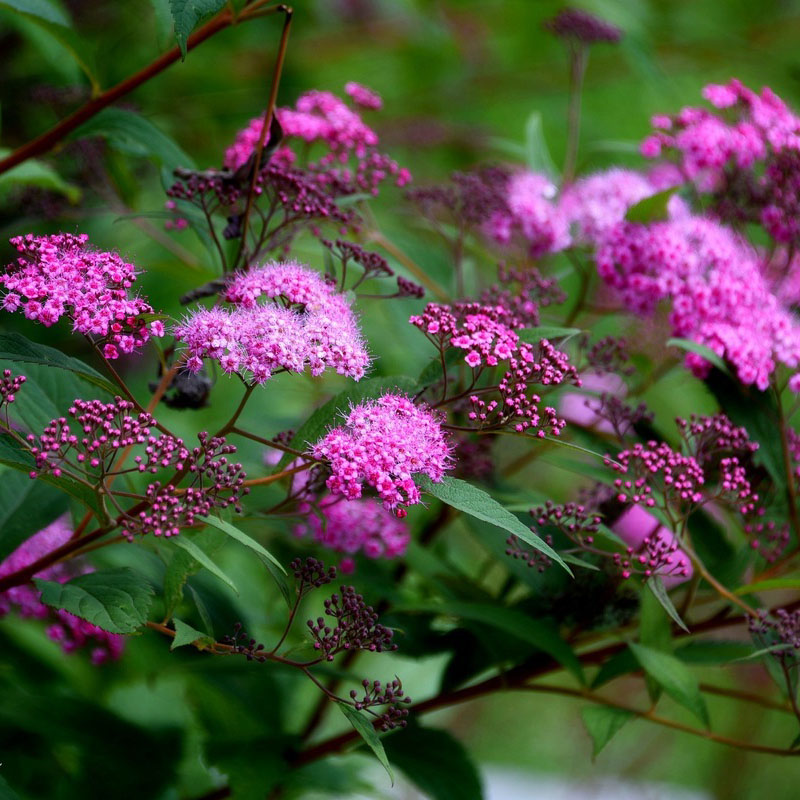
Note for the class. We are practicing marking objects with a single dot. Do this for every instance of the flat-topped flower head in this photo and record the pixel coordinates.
(384, 443)
(59, 275)
(575, 24)
(304, 323)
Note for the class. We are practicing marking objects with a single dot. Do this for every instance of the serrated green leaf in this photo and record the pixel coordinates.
(198, 555)
(651, 209)
(436, 762)
(317, 425)
(365, 730)
(674, 677)
(540, 634)
(26, 506)
(656, 586)
(474, 501)
(39, 175)
(186, 634)
(602, 722)
(243, 538)
(116, 600)
(135, 135)
(701, 350)
(186, 14)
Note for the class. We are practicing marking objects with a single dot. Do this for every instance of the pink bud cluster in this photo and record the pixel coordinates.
(71, 632)
(10, 384)
(322, 117)
(308, 324)
(519, 294)
(718, 293)
(384, 443)
(59, 275)
(356, 526)
(216, 482)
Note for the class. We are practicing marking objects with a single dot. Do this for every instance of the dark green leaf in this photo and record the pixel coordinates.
(6, 792)
(186, 14)
(365, 730)
(436, 762)
(535, 335)
(325, 417)
(116, 600)
(186, 634)
(602, 722)
(182, 565)
(26, 506)
(651, 209)
(701, 350)
(712, 652)
(674, 677)
(474, 501)
(656, 586)
(132, 134)
(622, 663)
(201, 557)
(39, 9)
(243, 538)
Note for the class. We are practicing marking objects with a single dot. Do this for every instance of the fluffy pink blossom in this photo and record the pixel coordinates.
(353, 526)
(363, 97)
(68, 630)
(305, 323)
(59, 275)
(384, 443)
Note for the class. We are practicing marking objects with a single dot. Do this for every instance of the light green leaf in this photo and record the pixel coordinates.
(243, 538)
(186, 634)
(477, 503)
(186, 14)
(701, 350)
(116, 600)
(653, 208)
(656, 586)
(365, 730)
(674, 677)
(769, 585)
(535, 335)
(37, 174)
(198, 555)
(602, 722)
(537, 153)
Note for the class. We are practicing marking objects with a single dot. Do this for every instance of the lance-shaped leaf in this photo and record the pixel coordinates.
(365, 730)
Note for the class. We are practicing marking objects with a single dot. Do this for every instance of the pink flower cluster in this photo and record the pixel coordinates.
(59, 275)
(532, 213)
(322, 117)
(68, 630)
(10, 384)
(384, 443)
(309, 324)
(718, 293)
(353, 526)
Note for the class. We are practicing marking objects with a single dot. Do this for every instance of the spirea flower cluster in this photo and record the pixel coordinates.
(59, 275)
(305, 324)
(71, 632)
(10, 384)
(384, 443)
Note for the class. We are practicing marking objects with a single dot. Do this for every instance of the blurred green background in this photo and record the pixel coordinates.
(460, 79)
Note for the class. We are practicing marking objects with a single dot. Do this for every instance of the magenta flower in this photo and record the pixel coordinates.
(59, 275)
(384, 443)
(363, 97)
(68, 630)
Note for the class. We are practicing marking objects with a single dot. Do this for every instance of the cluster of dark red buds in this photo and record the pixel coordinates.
(390, 694)
(241, 644)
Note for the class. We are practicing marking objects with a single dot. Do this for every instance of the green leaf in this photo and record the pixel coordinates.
(186, 14)
(701, 350)
(39, 9)
(325, 417)
(26, 506)
(15, 347)
(6, 792)
(198, 555)
(621, 663)
(365, 730)
(651, 209)
(38, 174)
(537, 153)
(186, 634)
(243, 538)
(602, 722)
(769, 585)
(182, 566)
(134, 135)
(535, 335)
(674, 677)
(713, 652)
(433, 369)
(436, 762)
(477, 503)
(116, 600)
(540, 634)
(656, 586)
